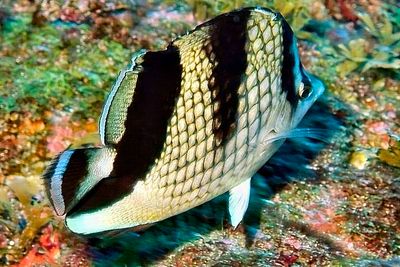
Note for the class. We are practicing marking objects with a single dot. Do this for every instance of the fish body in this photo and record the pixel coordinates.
(187, 124)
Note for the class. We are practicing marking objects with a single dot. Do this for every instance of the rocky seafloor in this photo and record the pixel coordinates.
(332, 203)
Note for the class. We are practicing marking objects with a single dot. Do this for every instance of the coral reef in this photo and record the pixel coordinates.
(333, 204)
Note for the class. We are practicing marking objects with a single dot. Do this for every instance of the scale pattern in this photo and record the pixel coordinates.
(117, 113)
(192, 167)
(186, 124)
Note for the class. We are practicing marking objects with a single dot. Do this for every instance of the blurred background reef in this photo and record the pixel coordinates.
(335, 204)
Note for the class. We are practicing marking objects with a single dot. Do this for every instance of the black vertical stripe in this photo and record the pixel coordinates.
(155, 97)
(75, 173)
(306, 80)
(228, 42)
(154, 100)
(288, 64)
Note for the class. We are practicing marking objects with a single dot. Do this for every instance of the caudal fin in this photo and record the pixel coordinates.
(73, 173)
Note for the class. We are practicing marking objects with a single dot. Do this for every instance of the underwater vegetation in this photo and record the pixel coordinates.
(334, 204)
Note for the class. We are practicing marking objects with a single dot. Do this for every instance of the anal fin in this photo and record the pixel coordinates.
(239, 201)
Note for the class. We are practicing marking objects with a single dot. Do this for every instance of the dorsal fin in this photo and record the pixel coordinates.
(73, 173)
(114, 113)
(145, 122)
(141, 104)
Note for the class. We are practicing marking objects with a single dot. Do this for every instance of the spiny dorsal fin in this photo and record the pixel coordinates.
(73, 173)
(144, 127)
(114, 113)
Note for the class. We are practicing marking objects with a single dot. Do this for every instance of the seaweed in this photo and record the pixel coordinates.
(382, 53)
(313, 204)
(298, 13)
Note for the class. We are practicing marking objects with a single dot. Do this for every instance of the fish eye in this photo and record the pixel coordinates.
(304, 90)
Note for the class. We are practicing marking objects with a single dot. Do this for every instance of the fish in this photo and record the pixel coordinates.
(186, 124)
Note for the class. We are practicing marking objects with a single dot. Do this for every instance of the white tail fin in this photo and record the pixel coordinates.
(73, 173)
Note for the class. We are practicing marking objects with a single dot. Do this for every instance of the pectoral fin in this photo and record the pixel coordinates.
(239, 201)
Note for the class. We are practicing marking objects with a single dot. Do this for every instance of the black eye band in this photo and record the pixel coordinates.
(305, 88)
(306, 81)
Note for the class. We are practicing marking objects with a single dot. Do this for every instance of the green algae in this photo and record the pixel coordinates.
(346, 217)
(296, 12)
(41, 73)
